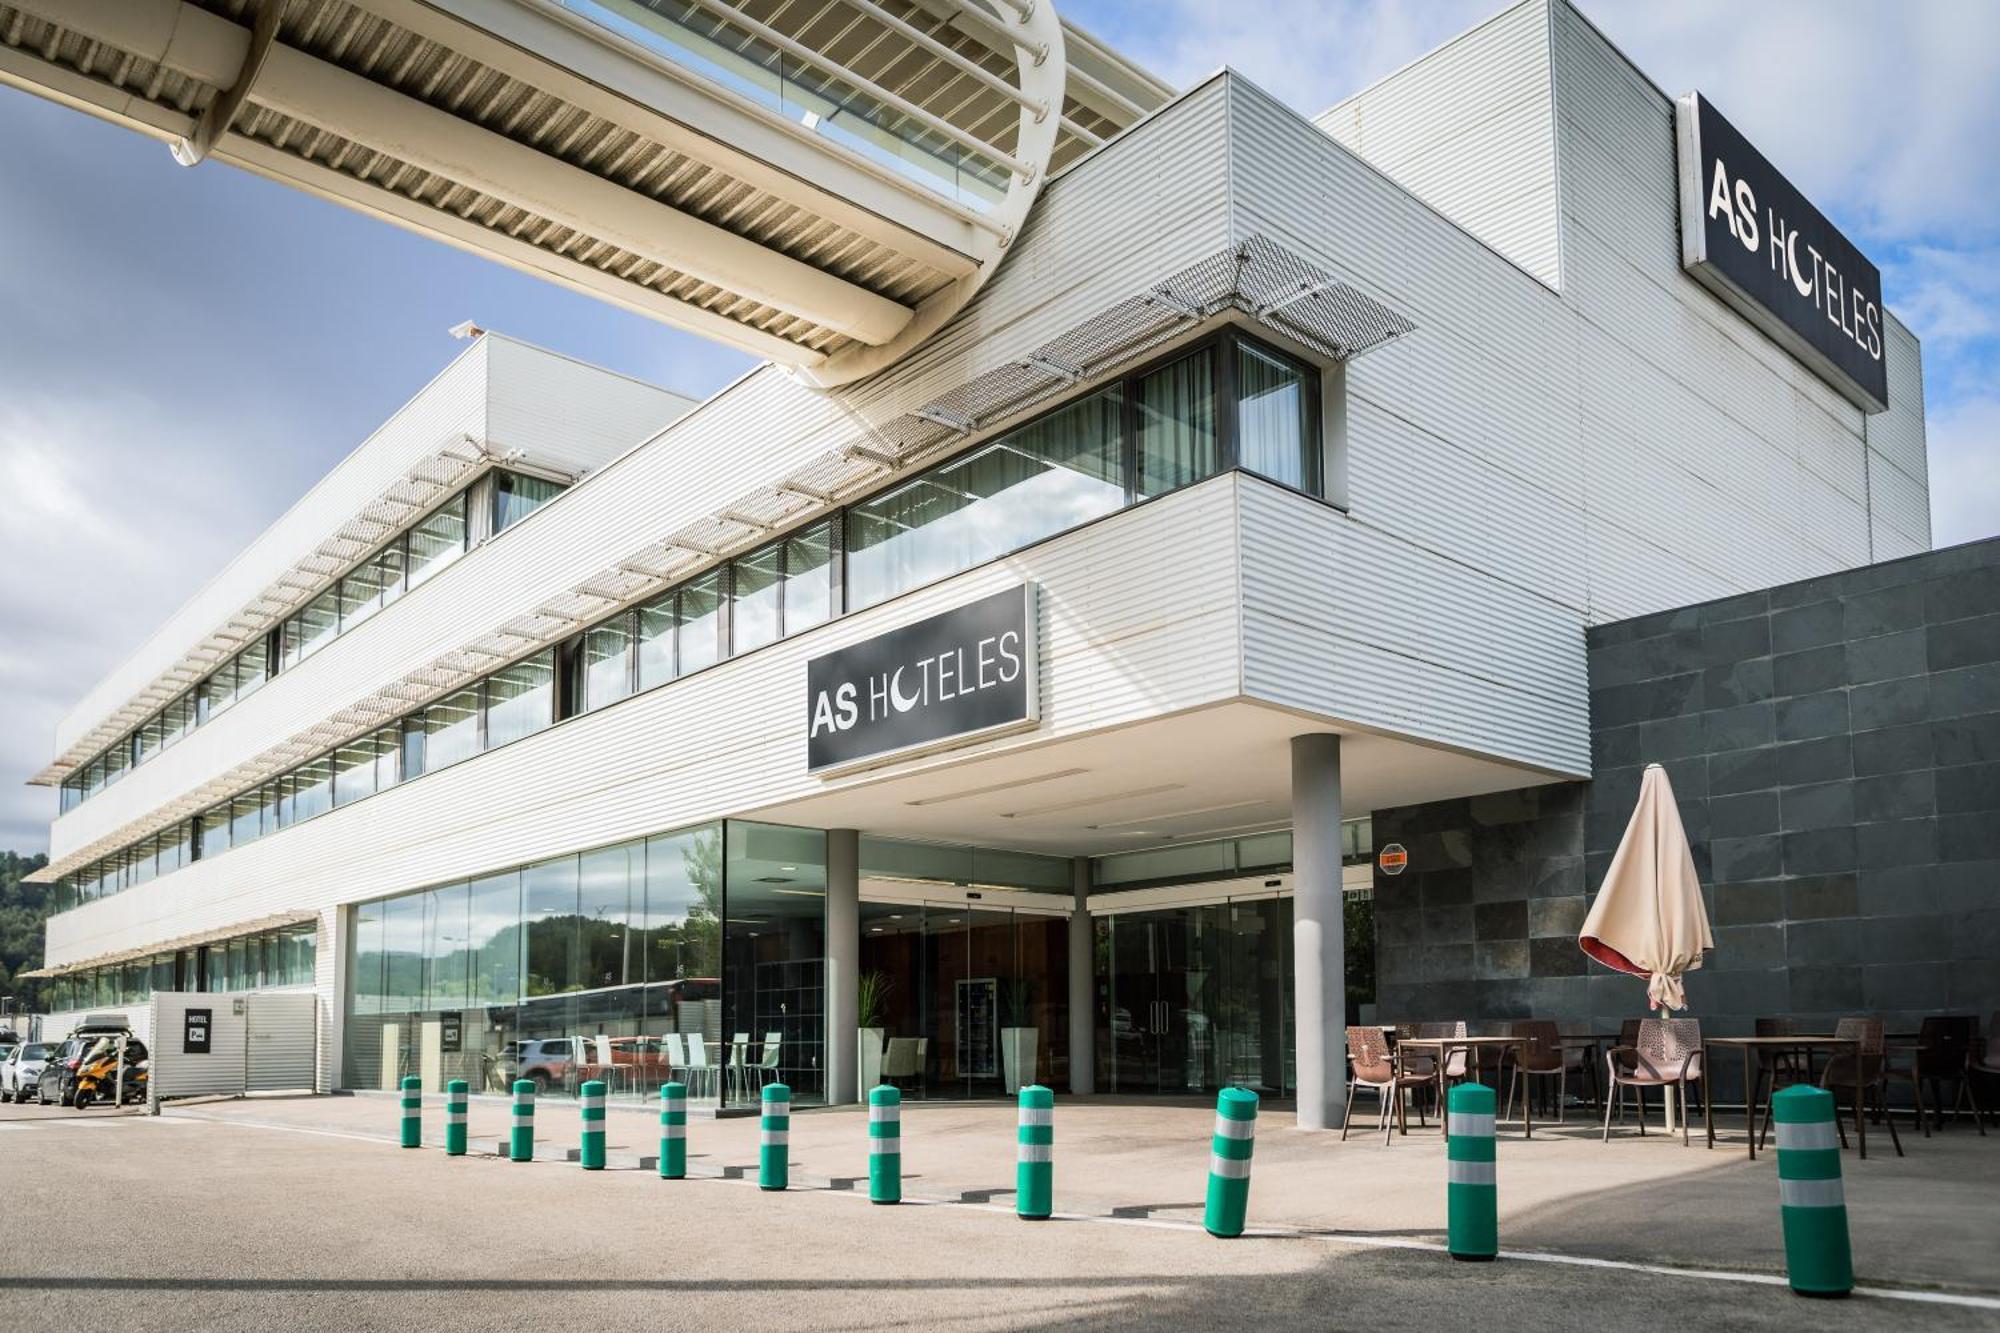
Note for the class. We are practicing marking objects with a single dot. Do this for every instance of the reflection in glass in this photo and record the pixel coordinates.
(1176, 410)
(605, 664)
(809, 578)
(520, 699)
(451, 729)
(1274, 432)
(701, 622)
(447, 954)
(549, 914)
(755, 589)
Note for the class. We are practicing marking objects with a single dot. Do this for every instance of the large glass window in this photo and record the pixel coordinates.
(604, 665)
(520, 699)
(403, 953)
(1176, 422)
(1047, 476)
(447, 946)
(774, 946)
(312, 789)
(516, 496)
(656, 641)
(1276, 427)
(756, 590)
(809, 593)
(437, 541)
(549, 917)
(253, 667)
(701, 622)
(451, 729)
(494, 929)
(607, 878)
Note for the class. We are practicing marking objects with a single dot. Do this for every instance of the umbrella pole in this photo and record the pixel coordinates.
(1667, 1090)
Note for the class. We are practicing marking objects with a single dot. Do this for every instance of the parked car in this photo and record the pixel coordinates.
(22, 1069)
(549, 1062)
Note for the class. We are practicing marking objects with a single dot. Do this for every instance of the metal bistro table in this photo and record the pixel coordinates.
(1750, 1046)
(1441, 1048)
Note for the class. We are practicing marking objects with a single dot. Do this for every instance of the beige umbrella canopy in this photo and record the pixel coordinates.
(1649, 918)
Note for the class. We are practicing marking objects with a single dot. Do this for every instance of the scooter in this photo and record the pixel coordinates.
(97, 1075)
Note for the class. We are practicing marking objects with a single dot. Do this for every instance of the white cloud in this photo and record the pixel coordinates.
(1965, 470)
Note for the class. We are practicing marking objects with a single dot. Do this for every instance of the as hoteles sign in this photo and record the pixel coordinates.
(966, 673)
(1748, 235)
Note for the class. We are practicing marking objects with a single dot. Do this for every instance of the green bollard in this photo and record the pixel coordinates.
(413, 1111)
(774, 1140)
(885, 1145)
(1229, 1162)
(1818, 1258)
(521, 1138)
(455, 1093)
(673, 1131)
(1034, 1154)
(590, 1101)
(1472, 1199)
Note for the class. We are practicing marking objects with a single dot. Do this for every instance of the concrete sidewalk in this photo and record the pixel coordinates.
(1926, 1220)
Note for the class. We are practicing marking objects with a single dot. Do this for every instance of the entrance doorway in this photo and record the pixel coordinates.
(973, 993)
(1194, 991)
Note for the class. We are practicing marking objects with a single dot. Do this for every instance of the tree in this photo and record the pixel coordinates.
(23, 909)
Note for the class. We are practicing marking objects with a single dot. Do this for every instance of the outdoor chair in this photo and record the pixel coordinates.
(1665, 1054)
(739, 1064)
(1579, 1057)
(765, 1068)
(900, 1059)
(1982, 1061)
(1944, 1051)
(1540, 1057)
(1371, 1066)
(1864, 1068)
(1774, 1063)
(700, 1072)
(1441, 1074)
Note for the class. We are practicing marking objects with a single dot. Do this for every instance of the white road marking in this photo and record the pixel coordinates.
(1172, 1224)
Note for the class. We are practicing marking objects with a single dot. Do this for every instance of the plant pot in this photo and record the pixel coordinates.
(869, 1061)
(1017, 1055)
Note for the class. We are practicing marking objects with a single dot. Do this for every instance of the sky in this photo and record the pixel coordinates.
(183, 352)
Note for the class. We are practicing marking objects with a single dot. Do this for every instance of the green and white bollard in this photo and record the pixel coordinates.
(673, 1131)
(774, 1139)
(1472, 1197)
(1035, 1154)
(413, 1111)
(1229, 1162)
(885, 1145)
(1818, 1258)
(455, 1094)
(521, 1136)
(590, 1101)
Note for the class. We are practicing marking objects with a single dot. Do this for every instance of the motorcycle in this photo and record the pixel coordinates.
(97, 1072)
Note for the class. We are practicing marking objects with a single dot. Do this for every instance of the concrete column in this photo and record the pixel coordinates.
(1082, 990)
(1319, 977)
(843, 963)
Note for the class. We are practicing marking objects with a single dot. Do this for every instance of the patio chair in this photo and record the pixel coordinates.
(1371, 1066)
(739, 1064)
(1864, 1067)
(674, 1047)
(1579, 1055)
(1542, 1058)
(900, 1059)
(1944, 1051)
(1455, 1067)
(1773, 1064)
(765, 1067)
(1665, 1054)
(1982, 1061)
(700, 1072)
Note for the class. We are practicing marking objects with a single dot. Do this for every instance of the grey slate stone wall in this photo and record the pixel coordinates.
(1834, 746)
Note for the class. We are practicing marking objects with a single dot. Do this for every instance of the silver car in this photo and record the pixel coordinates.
(21, 1071)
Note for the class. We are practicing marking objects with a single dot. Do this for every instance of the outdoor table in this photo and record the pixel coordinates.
(1750, 1046)
(1441, 1048)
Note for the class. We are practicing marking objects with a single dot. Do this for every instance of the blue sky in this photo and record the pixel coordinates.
(214, 342)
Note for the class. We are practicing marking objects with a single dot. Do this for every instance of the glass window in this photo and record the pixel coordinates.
(516, 496)
(1176, 414)
(520, 699)
(368, 980)
(176, 847)
(604, 918)
(246, 818)
(312, 789)
(142, 861)
(701, 622)
(755, 588)
(549, 918)
(680, 925)
(604, 666)
(403, 952)
(809, 578)
(116, 760)
(72, 792)
(314, 626)
(355, 769)
(215, 830)
(437, 541)
(175, 719)
(1274, 419)
(162, 969)
(215, 693)
(388, 753)
(152, 740)
(774, 945)
(494, 932)
(413, 747)
(1043, 478)
(447, 949)
(656, 642)
(360, 594)
(451, 729)
(388, 567)
(253, 667)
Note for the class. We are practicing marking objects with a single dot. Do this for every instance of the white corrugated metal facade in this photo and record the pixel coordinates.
(1574, 432)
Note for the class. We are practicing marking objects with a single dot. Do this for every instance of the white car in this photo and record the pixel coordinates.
(21, 1071)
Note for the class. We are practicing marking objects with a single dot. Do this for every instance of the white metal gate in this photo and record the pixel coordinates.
(221, 1044)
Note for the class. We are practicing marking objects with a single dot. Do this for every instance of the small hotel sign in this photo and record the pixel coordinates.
(966, 673)
(1749, 236)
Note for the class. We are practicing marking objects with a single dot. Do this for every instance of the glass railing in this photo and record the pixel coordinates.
(817, 96)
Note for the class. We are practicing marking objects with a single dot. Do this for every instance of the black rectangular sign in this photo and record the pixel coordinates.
(196, 1025)
(451, 1032)
(968, 672)
(1748, 235)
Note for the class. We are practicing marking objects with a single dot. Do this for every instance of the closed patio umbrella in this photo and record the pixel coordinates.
(1649, 918)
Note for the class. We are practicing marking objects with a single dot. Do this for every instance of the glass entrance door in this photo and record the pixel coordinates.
(1196, 998)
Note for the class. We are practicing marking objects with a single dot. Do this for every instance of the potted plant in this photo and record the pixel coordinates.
(1018, 1036)
(871, 1006)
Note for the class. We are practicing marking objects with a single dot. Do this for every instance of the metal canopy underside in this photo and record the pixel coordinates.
(802, 179)
(1257, 280)
(256, 927)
